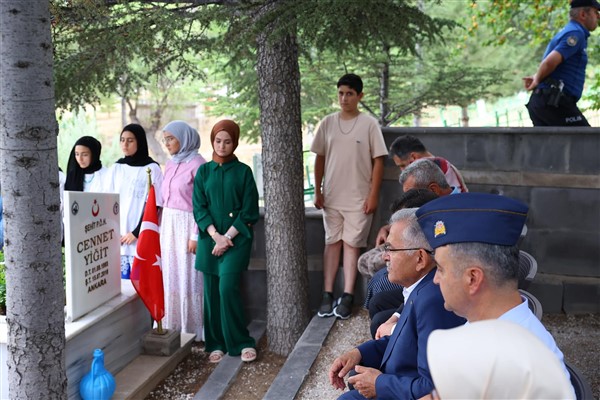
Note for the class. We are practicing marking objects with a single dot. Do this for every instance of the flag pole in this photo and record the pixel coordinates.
(159, 329)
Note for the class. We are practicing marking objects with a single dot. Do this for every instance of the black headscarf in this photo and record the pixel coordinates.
(141, 156)
(75, 173)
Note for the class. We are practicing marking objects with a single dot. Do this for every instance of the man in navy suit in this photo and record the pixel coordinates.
(395, 367)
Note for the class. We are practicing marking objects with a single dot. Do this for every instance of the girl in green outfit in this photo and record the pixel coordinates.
(225, 203)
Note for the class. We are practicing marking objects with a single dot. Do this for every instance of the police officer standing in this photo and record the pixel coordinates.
(558, 83)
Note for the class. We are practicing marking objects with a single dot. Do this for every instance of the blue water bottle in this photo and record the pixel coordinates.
(98, 384)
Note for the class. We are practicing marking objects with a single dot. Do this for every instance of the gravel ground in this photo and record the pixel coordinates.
(342, 337)
(578, 336)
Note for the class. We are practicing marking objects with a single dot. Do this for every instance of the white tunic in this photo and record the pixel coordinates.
(132, 185)
(97, 182)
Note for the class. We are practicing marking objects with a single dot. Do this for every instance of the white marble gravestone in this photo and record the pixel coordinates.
(92, 251)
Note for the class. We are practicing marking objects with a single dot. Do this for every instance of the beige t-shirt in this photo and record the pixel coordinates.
(349, 147)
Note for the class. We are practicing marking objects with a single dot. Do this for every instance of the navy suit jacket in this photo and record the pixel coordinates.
(402, 357)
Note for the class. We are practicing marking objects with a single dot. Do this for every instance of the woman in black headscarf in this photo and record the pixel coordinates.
(85, 172)
(129, 178)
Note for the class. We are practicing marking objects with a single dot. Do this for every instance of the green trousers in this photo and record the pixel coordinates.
(224, 320)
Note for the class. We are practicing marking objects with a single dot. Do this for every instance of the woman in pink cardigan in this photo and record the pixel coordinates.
(179, 232)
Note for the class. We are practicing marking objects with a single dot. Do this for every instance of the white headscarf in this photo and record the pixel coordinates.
(494, 359)
(189, 140)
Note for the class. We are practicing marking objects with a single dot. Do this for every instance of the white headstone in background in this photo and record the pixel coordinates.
(92, 250)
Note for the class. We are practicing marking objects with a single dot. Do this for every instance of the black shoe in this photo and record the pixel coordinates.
(326, 308)
(343, 310)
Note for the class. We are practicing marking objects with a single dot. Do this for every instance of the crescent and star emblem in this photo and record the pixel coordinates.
(151, 226)
(95, 209)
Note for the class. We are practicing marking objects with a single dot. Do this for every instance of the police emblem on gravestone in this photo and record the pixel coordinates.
(116, 209)
(74, 208)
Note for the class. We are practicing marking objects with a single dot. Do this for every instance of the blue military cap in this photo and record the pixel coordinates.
(585, 3)
(472, 217)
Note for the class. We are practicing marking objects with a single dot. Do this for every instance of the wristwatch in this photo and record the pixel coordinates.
(228, 236)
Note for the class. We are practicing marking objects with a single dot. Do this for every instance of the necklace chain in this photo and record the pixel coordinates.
(91, 179)
(353, 125)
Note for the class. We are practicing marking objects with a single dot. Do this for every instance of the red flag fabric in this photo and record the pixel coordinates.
(146, 271)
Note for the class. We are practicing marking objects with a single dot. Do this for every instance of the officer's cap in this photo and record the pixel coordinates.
(585, 3)
(472, 217)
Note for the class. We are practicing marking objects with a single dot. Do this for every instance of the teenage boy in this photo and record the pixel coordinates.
(348, 171)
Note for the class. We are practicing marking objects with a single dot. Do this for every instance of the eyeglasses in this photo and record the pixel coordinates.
(387, 248)
(168, 139)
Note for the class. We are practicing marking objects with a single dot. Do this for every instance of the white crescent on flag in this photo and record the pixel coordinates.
(147, 225)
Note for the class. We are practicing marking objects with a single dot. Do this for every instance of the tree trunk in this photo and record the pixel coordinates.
(384, 88)
(153, 144)
(279, 98)
(464, 116)
(154, 136)
(30, 188)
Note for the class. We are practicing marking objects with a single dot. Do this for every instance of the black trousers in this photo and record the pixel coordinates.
(566, 114)
(382, 306)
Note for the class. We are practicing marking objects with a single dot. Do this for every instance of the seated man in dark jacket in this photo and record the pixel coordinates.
(395, 367)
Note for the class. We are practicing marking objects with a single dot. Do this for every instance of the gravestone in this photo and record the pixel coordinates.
(92, 250)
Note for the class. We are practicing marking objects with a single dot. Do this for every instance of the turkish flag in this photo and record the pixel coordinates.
(146, 271)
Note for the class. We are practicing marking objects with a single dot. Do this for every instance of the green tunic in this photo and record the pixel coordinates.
(225, 195)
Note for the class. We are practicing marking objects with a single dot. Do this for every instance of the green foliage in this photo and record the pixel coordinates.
(364, 41)
(340, 25)
(96, 45)
(594, 91)
(434, 53)
(123, 47)
(232, 91)
(72, 126)
(330, 35)
(531, 24)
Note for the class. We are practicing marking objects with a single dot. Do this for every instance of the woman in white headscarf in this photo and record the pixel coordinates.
(179, 232)
(494, 359)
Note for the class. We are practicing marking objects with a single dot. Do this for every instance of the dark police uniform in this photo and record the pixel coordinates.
(571, 43)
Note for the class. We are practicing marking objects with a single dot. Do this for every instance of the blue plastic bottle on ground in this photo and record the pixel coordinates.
(98, 384)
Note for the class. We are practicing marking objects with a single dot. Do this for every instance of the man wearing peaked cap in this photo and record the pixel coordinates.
(477, 217)
(474, 237)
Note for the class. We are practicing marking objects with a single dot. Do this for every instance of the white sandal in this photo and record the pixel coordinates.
(216, 356)
(248, 354)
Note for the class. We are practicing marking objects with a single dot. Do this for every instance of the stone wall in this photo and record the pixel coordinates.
(556, 171)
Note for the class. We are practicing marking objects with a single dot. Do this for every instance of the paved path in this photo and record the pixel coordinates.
(292, 374)
(224, 374)
(297, 366)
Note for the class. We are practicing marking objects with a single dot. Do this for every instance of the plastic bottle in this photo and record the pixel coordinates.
(98, 384)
